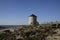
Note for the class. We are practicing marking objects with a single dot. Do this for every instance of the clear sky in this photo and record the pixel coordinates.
(15, 12)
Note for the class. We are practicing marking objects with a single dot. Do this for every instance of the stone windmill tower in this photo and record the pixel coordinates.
(33, 20)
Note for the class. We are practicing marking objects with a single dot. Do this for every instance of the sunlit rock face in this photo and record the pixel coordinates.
(54, 36)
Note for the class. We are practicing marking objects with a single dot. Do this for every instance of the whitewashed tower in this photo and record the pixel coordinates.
(32, 19)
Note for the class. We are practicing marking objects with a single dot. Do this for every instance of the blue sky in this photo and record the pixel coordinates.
(15, 12)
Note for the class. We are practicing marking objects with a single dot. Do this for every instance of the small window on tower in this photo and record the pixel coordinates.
(31, 22)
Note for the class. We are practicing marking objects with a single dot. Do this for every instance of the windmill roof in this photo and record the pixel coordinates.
(33, 15)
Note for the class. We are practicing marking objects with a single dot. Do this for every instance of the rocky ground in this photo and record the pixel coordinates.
(31, 33)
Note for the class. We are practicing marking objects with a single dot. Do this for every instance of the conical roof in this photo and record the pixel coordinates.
(33, 15)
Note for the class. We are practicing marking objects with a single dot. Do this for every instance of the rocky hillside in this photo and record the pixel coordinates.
(31, 33)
